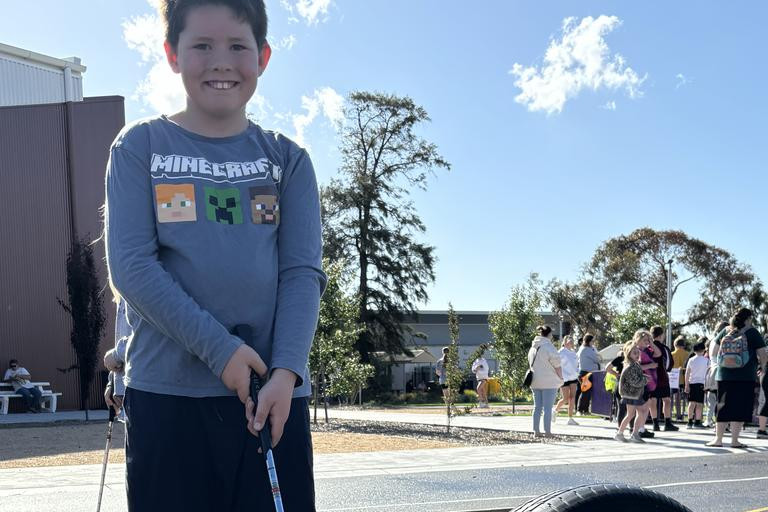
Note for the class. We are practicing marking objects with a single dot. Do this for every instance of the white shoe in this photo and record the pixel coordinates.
(620, 437)
(635, 438)
(571, 421)
(554, 416)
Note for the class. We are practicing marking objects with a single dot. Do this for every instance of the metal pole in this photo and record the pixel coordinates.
(669, 304)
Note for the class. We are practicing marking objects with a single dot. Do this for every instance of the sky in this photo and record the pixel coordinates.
(565, 123)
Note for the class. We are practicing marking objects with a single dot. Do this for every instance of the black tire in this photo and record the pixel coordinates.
(602, 497)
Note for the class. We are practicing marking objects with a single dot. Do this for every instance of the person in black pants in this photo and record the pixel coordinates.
(589, 361)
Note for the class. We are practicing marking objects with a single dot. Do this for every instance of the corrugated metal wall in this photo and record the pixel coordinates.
(37, 143)
(23, 83)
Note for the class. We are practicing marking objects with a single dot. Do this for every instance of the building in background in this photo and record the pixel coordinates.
(432, 334)
(54, 146)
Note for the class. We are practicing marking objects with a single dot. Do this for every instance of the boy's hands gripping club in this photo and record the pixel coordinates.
(237, 374)
(274, 403)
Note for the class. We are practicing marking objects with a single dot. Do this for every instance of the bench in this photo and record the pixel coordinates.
(49, 397)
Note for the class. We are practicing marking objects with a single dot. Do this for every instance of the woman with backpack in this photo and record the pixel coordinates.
(632, 383)
(649, 352)
(544, 361)
(740, 351)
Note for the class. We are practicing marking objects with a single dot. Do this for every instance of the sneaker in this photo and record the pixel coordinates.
(620, 437)
(554, 415)
(698, 424)
(647, 435)
(656, 427)
(571, 421)
(636, 438)
(762, 434)
(690, 425)
(670, 427)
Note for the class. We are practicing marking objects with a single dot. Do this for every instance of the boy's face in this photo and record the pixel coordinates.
(219, 62)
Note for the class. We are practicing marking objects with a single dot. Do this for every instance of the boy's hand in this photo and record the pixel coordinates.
(274, 403)
(237, 374)
(687, 389)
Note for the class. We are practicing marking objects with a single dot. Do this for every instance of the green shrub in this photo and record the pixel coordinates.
(468, 396)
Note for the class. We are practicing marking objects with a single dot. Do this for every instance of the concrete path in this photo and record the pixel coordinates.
(72, 485)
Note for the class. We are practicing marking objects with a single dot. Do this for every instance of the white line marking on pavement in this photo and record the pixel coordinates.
(700, 482)
(390, 505)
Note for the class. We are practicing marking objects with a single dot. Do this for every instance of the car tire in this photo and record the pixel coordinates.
(596, 497)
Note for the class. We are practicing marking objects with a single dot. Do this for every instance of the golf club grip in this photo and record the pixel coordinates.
(265, 435)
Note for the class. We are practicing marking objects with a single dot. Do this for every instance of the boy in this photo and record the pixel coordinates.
(695, 375)
(480, 369)
(195, 247)
(680, 358)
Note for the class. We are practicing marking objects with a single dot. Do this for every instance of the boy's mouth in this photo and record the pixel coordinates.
(220, 85)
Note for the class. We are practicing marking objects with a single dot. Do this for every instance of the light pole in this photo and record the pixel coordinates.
(669, 303)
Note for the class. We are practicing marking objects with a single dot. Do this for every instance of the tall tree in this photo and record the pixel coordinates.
(513, 328)
(634, 266)
(637, 316)
(333, 360)
(369, 218)
(585, 303)
(758, 301)
(86, 308)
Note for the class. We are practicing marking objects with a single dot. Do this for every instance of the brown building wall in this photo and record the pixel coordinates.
(52, 162)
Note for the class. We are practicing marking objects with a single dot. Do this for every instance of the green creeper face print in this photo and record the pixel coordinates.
(223, 205)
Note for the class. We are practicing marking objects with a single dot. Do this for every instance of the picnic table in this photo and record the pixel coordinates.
(48, 396)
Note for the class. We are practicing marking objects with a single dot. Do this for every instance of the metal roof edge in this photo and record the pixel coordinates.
(42, 59)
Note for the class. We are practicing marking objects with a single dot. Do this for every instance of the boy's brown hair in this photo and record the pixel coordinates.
(253, 12)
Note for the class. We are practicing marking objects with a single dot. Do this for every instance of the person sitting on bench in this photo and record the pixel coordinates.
(19, 378)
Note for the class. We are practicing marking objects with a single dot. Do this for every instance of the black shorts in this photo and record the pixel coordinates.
(195, 454)
(696, 393)
(661, 392)
(568, 383)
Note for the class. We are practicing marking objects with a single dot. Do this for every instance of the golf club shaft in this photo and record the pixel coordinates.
(265, 436)
(106, 456)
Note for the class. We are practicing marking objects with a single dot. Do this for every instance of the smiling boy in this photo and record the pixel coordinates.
(192, 259)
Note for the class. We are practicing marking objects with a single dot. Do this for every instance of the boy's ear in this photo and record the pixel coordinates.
(264, 55)
(170, 54)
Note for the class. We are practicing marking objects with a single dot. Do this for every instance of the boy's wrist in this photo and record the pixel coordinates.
(284, 376)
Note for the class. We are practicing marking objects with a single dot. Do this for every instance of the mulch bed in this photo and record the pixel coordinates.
(459, 435)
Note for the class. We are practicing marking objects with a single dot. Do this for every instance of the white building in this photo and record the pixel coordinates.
(29, 78)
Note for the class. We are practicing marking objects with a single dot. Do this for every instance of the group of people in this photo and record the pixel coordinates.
(726, 372)
(567, 370)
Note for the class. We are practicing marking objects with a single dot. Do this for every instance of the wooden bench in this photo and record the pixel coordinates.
(48, 396)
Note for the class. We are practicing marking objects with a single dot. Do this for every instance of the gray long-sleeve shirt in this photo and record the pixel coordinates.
(203, 234)
(589, 359)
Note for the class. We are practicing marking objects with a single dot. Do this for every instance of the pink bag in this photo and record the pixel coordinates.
(645, 358)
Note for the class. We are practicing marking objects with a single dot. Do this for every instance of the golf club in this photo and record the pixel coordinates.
(265, 434)
(112, 414)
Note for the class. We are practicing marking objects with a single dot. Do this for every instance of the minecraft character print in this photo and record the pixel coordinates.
(175, 203)
(223, 205)
(265, 208)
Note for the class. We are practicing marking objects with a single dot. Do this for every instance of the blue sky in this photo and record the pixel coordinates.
(640, 114)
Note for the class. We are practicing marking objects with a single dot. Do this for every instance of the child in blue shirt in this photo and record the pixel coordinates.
(212, 222)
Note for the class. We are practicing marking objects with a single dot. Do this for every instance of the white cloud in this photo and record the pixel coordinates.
(682, 80)
(579, 60)
(326, 101)
(611, 105)
(161, 90)
(312, 11)
(286, 43)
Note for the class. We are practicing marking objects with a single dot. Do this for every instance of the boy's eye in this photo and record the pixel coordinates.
(238, 47)
(202, 46)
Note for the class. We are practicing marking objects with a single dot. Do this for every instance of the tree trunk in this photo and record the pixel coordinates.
(317, 383)
(325, 400)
